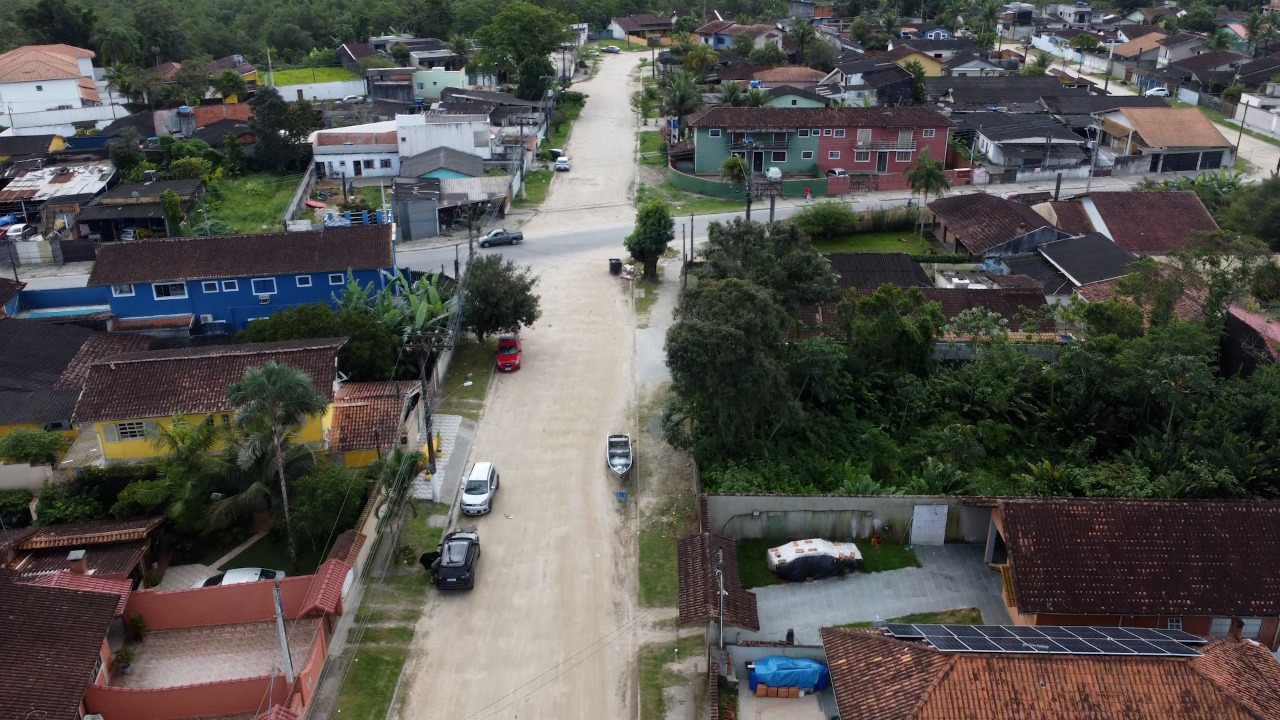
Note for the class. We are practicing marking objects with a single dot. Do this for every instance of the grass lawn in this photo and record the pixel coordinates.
(663, 525)
(1218, 117)
(252, 203)
(222, 544)
(655, 676)
(962, 616)
(560, 134)
(536, 184)
(471, 361)
(299, 76)
(683, 203)
(366, 691)
(644, 304)
(887, 241)
(272, 553)
(753, 567)
(653, 150)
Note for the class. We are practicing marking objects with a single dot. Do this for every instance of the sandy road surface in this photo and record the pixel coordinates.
(602, 148)
(549, 630)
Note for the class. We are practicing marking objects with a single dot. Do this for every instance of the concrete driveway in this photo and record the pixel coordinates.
(953, 577)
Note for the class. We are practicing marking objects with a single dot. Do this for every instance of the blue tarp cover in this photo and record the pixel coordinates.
(779, 671)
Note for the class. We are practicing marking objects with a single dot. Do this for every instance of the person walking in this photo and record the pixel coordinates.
(808, 194)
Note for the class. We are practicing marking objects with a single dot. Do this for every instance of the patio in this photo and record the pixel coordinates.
(169, 658)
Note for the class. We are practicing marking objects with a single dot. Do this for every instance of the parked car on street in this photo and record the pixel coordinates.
(509, 349)
(240, 575)
(611, 49)
(501, 236)
(352, 99)
(455, 569)
(773, 173)
(1157, 92)
(562, 163)
(482, 485)
(837, 172)
(19, 231)
(555, 153)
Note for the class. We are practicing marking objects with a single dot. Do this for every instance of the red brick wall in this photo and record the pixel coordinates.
(209, 114)
(893, 178)
(221, 698)
(309, 674)
(227, 605)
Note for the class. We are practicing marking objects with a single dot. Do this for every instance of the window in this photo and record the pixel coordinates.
(778, 156)
(806, 154)
(169, 291)
(342, 163)
(1252, 626)
(833, 154)
(713, 132)
(862, 156)
(928, 132)
(209, 286)
(840, 132)
(263, 286)
(131, 430)
(864, 136)
(384, 163)
(368, 164)
(903, 156)
(420, 87)
(814, 132)
(303, 280)
(336, 279)
(121, 291)
(39, 88)
(1173, 624)
(225, 418)
(793, 102)
(904, 137)
(802, 133)
(230, 286)
(826, 132)
(1219, 627)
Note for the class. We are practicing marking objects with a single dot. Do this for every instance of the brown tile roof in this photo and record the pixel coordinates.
(881, 678)
(981, 221)
(1174, 127)
(1266, 329)
(161, 322)
(110, 560)
(368, 415)
(699, 591)
(67, 580)
(347, 546)
(1184, 308)
(98, 346)
(9, 289)
(324, 594)
(1152, 223)
(234, 256)
(193, 380)
(52, 640)
(790, 73)
(92, 532)
(1071, 217)
(785, 118)
(1144, 557)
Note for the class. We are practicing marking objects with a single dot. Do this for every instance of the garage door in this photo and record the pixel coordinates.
(929, 525)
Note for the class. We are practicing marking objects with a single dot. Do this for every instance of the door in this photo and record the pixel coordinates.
(882, 162)
(355, 167)
(757, 162)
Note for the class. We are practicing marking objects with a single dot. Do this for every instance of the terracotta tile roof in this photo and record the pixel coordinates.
(1174, 127)
(785, 118)
(40, 62)
(38, 407)
(193, 380)
(881, 678)
(1184, 308)
(1144, 557)
(91, 533)
(981, 221)
(699, 591)
(368, 416)
(111, 560)
(324, 595)
(347, 546)
(235, 256)
(790, 73)
(67, 580)
(358, 50)
(356, 138)
(1267, 329)
(278, 712)
(1151, 223)
(1071, 217)
(52, 640)
(161, 322)
(100, 345)
(9, 289)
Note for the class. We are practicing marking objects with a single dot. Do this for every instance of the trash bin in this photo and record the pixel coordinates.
(615, 266)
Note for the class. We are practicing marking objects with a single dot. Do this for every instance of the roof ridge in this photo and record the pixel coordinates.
(1229, 693)
(161, 355)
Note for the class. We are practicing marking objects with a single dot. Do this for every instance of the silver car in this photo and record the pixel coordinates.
(477, 494)
(240, 575)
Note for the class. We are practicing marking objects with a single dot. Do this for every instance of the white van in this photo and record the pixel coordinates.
(773, 173)
(482, 484)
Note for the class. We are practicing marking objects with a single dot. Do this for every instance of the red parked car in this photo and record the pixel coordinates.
(508, 353)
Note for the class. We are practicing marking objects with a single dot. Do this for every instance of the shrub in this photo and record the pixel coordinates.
(14, 507)
(882, 219)
(825, 220)
(1266, 283)
(63, 502)
(34, 447)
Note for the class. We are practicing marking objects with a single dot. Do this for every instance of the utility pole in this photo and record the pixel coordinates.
(1106, 82)
(1240, 135)
(282, 635)
(1093, 161)
(427, 342)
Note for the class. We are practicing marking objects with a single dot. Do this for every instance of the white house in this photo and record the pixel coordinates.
(47, 77)
(368, 150)
(419, 133)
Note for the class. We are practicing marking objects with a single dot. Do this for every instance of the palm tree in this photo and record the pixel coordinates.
(1253, 24)
(927, 177)
(275, 401)
(120, 77)
(736, 171)
(117, 44)
(803, 34)
(732, 94)
(1218, 40)
(989, 15)
(247, 478)
(421, 320)
(460, 46)
(699, 57)
(757, 97)
(680, 97)
(184, 472)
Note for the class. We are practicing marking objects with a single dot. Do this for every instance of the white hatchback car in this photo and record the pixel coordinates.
(562, 163)
(482, 485)
(240, 575)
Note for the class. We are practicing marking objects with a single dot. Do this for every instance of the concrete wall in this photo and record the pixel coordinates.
(335, 90)
(743, 654)
(232, 697)
(61, 122)
(222, 605)
(21, 476)
(836, 517)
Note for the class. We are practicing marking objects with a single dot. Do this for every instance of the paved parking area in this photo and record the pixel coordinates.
(182, 577)
(954, 576)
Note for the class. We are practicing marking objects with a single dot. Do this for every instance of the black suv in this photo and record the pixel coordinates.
(455, 569)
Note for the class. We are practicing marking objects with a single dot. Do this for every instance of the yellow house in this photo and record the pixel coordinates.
(38, 410)
(128, 397)
(22, 147)
(369, 418)
(902, 55)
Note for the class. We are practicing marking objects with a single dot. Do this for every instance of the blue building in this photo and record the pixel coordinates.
(9, 290)
(218, 284)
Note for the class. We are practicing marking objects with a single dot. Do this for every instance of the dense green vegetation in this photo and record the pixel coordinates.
(1137, 408)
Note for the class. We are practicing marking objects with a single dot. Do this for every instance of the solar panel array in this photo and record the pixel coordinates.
(1051, 640)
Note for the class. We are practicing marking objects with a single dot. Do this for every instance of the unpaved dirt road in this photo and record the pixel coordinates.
(548, 633)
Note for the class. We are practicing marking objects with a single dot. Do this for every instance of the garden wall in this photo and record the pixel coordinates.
(335, 90)
(836, 517)
(715, 188)
(222, 605)
(21, 476)
(229, 697)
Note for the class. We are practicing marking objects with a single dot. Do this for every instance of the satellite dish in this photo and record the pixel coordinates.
(135, 194)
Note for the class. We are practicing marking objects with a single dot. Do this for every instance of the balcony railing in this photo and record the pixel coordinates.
(885, 145)
(758, 145)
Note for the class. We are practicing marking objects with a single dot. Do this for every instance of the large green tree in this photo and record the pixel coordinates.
(655, 229)
(519, 31)
(536, 76)
(58, 21)
(369, 354)
(500, 297)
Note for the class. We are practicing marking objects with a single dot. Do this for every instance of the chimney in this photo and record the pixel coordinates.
(1237, 629)
(76, 562)
(1022, 228)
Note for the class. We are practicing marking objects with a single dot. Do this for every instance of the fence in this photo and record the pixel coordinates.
(715, 188)
(294, 209)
